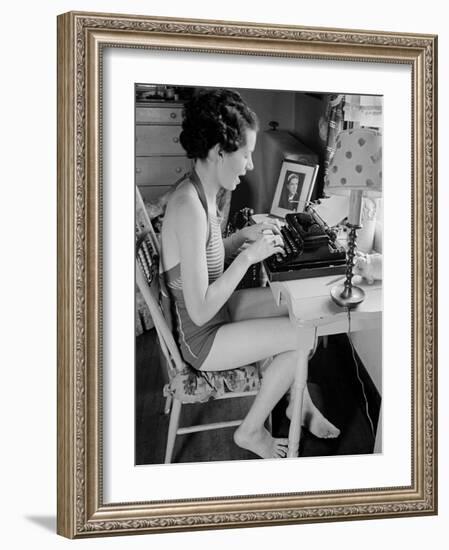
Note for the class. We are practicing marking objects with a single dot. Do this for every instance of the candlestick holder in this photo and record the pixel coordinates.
(346, 294)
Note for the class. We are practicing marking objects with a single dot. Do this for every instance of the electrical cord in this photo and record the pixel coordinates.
(358, 374)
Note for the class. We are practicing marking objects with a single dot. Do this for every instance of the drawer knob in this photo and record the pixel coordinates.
(138, 170)
(176, 139)
(173, 115)
(178, 170)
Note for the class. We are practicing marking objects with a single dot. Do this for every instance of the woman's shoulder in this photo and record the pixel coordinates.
(183, 194)
(184, 200)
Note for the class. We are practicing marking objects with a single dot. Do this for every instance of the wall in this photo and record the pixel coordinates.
(268, 105)
(28, 275)
(308, 110)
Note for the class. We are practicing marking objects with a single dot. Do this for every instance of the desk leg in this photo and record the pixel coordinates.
(378, 441)
(305, 345)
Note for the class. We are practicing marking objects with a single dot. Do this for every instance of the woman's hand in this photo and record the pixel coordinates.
(251, 233)
(265, 246)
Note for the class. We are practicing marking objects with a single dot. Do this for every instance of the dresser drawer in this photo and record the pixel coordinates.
(158, 140)
(159, 115)
(160, 170)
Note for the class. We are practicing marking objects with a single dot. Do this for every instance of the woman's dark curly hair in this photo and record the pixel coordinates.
(215, 116)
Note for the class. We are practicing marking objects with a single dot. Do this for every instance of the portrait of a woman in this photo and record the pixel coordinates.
(291, 191)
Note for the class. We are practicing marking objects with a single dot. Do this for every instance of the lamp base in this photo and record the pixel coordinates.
(347, 296)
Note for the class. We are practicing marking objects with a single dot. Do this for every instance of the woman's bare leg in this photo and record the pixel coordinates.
(251, 434)
(259, 302)
(313, 419)
(254, 303)
(253, 340)
(245, 342)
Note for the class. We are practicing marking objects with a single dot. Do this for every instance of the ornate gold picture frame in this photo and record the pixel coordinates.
(82, 41)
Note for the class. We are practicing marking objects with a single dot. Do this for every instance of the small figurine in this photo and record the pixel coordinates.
(369, 266)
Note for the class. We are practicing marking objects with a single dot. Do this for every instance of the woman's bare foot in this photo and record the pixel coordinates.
(313, 419)
(261, 443)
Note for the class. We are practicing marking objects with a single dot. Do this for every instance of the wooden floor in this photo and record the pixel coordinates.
(333, 385)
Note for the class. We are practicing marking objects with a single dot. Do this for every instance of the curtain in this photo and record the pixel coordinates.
(334, 115)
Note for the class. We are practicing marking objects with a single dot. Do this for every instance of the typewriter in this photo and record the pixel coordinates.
(311, 250)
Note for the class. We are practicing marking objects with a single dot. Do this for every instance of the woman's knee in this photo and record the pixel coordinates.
(289, 359)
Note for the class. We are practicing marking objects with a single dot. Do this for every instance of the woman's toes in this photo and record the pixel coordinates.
(280, 447)
(261, 443)
(332, 433)
(280, 453)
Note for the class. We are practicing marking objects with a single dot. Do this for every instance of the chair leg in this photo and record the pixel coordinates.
(168, 398)
(172, 429)
(168, 402)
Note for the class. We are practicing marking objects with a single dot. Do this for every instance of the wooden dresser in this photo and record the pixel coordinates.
(160, 159)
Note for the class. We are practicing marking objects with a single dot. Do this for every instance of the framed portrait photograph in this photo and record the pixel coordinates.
(196, 388)
(294, 188)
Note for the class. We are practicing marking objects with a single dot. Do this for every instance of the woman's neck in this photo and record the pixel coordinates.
(208, 180)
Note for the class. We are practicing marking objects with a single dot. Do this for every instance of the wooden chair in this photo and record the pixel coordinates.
(186, 385)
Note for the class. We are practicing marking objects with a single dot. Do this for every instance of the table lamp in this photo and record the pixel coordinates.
(355, 167)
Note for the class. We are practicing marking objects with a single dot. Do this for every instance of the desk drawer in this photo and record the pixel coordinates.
(159, 115)
(160, 170)
(158, 140)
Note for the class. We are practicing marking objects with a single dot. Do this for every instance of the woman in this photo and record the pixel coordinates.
(290, 194)
(220, 328)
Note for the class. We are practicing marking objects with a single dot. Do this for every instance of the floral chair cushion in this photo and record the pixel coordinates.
(193, 386)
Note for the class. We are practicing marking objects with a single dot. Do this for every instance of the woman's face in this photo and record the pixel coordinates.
(292, 186)
(236, 164)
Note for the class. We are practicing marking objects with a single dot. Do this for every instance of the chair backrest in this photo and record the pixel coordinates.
(143, 223)
(152, 287)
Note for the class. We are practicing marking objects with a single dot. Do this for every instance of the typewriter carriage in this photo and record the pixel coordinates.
(312, 249)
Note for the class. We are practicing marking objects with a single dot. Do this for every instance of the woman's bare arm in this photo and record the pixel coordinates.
(202, 300)
(249, 233)
(232, 244)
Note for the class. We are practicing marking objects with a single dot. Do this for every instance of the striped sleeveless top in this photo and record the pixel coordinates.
(196, 341)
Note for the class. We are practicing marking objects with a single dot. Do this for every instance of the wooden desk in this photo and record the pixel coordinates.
(314, 314)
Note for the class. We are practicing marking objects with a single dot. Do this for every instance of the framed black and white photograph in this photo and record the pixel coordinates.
(294, 188)
(218, 365)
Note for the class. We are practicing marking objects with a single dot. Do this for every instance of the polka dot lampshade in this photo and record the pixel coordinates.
(357, 162)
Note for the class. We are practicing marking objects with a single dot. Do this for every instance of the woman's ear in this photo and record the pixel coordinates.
(216, 153)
